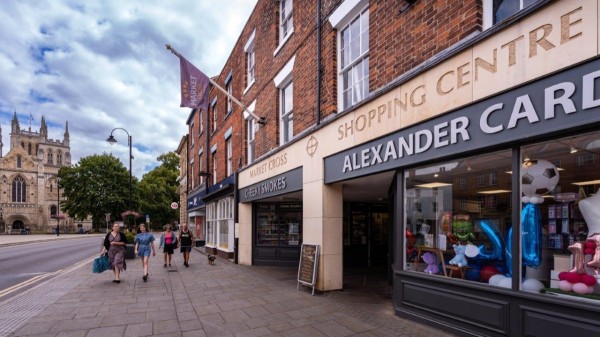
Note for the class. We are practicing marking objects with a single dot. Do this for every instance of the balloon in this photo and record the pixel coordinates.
(487, 272)
(595, 262)
(496, 241)
(590, 290)
(506, 283)
(538, 177)
(473, 274)
(495, 279)
(589, 280)
(577, 250)
(532, 284)
(531, 235)
(565, 286)
(580, 288)
(508, 252)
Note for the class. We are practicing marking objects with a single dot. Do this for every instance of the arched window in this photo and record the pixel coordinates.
(53, 210)
(49, 156)
(51, 186)
(18, 161)
(29, 149)
(59, 158)
(19, 190)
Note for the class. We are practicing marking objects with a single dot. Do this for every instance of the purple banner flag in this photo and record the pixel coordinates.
(194, 86)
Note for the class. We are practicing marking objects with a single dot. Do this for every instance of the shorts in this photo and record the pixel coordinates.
(168, 248)
(144, 251)
(186, 249)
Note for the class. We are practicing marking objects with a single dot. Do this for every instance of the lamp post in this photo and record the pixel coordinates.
(112, 140)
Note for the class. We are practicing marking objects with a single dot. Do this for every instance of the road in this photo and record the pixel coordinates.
(22, 266)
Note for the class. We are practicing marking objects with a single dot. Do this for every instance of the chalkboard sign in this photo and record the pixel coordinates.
(307, 269)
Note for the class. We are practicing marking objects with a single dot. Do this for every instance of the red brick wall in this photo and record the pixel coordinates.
(398, 43)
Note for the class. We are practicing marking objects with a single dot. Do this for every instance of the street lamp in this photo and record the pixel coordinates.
(112, 140)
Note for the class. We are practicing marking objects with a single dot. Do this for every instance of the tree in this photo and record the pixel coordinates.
(96, 185)
(158, 190)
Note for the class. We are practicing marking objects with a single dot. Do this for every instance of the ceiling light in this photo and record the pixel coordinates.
(433, 185)
(590, 182)
(495, 192)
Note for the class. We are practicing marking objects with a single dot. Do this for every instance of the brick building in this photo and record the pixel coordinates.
(401, 130)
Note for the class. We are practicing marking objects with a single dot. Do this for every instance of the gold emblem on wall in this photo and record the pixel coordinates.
(311, 146)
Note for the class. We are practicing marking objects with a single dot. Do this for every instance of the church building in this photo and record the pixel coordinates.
(29, 191)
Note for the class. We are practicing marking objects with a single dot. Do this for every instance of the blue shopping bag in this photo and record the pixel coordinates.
(101, 264)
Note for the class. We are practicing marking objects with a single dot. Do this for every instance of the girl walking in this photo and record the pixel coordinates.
(144, 243)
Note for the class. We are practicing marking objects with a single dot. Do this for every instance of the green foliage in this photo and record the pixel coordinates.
(96, 185)
(158, 189)
(130, 236)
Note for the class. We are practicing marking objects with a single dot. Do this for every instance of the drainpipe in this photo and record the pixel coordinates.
(318, 62)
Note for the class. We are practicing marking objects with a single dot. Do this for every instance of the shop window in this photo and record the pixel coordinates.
(458, 232)
(560, 237)
(278, 224)
(225, 221)
(211, 224)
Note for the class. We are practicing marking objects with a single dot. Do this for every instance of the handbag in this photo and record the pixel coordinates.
(101, 263)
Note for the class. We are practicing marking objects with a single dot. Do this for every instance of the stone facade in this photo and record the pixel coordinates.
(28, 180)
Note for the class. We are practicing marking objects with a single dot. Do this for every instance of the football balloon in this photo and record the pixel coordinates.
(538, 177)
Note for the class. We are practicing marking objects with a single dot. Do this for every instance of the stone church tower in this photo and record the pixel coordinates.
(29, 197)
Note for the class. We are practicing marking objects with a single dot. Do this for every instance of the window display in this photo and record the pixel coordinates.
(278, 224)
(560, 216)
(458, 216)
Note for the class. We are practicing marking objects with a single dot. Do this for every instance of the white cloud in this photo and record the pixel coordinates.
(103, 64)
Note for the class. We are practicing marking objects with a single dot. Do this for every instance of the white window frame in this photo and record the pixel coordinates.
(225, 223)
(214, 168)
(200, 123)
(282, 80)
(488, 12)
(340, 19)
(251, 136)
(211, 224)
(286, 117)
(215, 115)
(229, 156)
(193, 180)
(286, 21)
(250, 61)
(192, 134)
(229, 101)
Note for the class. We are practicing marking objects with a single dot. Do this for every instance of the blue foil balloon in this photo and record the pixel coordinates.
(531, 235)
(508, 253)
(492, 233)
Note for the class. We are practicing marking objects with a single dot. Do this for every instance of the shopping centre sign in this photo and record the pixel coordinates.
(565, 100)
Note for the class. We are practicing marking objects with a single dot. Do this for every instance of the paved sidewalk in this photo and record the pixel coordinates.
(224, 299)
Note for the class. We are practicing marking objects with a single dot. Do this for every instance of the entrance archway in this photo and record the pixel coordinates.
(18, 224)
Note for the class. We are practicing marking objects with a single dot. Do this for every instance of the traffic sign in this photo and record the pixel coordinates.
(174, 205)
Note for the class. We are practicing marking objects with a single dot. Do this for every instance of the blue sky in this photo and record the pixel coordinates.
(103, 64)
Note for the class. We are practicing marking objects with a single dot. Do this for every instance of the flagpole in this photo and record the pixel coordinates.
(259, 120)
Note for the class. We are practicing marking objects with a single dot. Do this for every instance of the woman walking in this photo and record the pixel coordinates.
(185, 240)
(144, 242)
(114, 244)
(168, 240)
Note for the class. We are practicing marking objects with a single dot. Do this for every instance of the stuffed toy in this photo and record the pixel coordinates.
(459, 259)
(431, 261)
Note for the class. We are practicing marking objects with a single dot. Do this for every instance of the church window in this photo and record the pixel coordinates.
(49, 156)
(51, 186)
(59, 158)
(29, 149)
(18, 161)
(19, 190)
(53, 210)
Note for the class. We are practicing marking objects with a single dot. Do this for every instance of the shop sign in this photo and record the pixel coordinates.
(565, 100)
(287, 182)
(195, 200)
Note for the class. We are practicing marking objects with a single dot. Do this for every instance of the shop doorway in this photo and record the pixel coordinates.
(367, 235)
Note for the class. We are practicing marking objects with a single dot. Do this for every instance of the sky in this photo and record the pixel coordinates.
(100, 65)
